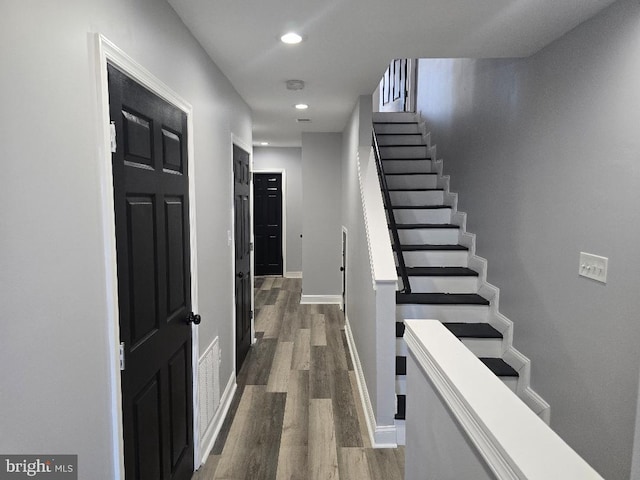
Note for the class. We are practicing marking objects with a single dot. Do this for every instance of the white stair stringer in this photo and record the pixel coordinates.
(459, 313)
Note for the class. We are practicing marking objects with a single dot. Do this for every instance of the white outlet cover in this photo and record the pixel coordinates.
(593, 266)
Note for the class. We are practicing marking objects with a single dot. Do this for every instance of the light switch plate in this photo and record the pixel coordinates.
(593, 266)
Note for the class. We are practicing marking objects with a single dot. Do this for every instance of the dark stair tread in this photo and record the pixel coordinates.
(403, 145)
(499, 367)
(409, 248)
(440, 299)
(416, 189)
(394, 159)
(471, 330)
(402, 407)
(413, 226)
(411, 173)
(421, 207)
(461, 330)
(401, 365)
(396, 133)
(441, 272)
(378, 122)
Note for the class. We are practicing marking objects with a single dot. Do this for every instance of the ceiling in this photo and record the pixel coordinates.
(349, 43)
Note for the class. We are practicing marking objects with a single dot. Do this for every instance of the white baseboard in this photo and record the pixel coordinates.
(210, 436)
(381, 436)
(321, 299)
(293, 275)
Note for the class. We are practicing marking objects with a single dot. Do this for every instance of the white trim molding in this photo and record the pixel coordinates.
(501, 430)
(293, 275)
(320, 299)
(381, 436)
(216, 425)
(104, 51)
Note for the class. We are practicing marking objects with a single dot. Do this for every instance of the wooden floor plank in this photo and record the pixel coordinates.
(319, 374)
(353, 463)
(292, 463)
(267, 283)
(383, 464)
(323, 455)
(302, 350)
(318, 334)
(344, 411)
(280, 368)
(257, 365)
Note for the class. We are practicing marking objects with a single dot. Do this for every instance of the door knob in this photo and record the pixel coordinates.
(240, 275)
(342, 269)
(193, 318)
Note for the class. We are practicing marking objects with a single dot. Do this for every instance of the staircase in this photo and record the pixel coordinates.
(446, 280)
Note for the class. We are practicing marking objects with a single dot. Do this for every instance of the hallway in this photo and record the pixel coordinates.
(297, 413)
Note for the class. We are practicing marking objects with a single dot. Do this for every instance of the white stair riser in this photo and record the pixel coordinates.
(401, 347)
(511, 382)
(444, 313)
(436, 258)
(400, 140)
(401, 384)
(444, 284)
(401, 430)
(411, 166)
(417, 198)
(404, 152)
(397, 128)
(394, 117)
(412, 181)
(484, 347)
(426, 215)
(429, 236)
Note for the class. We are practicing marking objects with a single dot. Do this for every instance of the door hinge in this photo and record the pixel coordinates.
(112, 135)
(251, 246)
(121, 356)
(251, 315)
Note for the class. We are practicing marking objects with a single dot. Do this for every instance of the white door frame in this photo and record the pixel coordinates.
(282, 172)
(105, 51)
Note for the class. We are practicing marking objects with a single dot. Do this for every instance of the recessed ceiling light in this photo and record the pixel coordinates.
(302, 106)
(291, 38)
(264, 144)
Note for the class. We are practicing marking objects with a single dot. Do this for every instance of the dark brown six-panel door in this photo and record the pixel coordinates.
(154, 291)
(267, 223)
(242, 221)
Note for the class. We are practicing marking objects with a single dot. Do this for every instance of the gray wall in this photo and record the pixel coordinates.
(361, 297)
(321, 202)
(289, 159)
(55, 368)
(544, 153)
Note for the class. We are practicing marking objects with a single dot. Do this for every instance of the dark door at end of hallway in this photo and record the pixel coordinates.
(151, 199)
(242, 224)
(267, 226)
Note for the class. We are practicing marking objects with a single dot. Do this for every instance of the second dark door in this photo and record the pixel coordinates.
(242, 221)
(267, 227)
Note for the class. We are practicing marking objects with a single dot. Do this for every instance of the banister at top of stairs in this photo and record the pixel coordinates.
(392, 221)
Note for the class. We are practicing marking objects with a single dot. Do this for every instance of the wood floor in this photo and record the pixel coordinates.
(297, 413)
